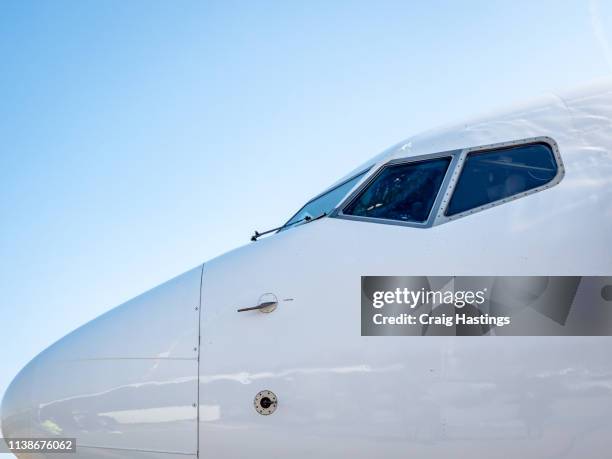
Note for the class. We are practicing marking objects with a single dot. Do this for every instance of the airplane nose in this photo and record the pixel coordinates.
(18, 404)
(118, 382)
(26, 409)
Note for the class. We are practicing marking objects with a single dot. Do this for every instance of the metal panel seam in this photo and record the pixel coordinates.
(199, 352)
(177, 453)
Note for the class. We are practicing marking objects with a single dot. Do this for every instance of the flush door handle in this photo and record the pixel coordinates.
(266, 306)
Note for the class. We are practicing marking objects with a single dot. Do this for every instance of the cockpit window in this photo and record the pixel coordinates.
(326, 202)
(404, 192)
(489, 176)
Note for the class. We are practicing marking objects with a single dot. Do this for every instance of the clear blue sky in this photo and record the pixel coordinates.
(139, 139)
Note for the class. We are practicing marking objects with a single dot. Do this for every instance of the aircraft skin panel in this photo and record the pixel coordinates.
(110, 453)
(173, 336)
(126, 380)
(386, 396)
(127, 404)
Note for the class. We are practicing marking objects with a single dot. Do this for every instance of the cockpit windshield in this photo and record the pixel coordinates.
(325, 202)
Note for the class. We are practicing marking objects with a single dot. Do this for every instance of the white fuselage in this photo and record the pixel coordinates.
(173, 372)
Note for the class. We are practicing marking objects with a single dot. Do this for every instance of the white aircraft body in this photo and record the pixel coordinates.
(178, 372)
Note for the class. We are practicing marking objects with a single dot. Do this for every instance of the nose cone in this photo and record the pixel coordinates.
(25, 409)
(120, 381)
(17, 404)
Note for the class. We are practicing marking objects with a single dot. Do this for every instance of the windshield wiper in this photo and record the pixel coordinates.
(306, 219)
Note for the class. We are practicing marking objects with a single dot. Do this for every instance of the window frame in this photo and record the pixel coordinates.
(452, 154)
(363, 173)
(437, 214)
(441, 215)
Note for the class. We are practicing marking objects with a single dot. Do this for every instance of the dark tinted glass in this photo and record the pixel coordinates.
(404, 192)
(493, 175)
